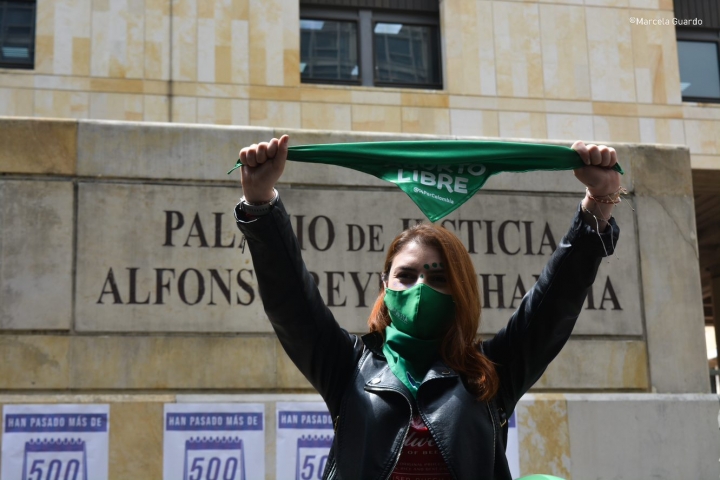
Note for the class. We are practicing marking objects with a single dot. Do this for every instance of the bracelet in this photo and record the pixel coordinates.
(258, 209)
(611, 199)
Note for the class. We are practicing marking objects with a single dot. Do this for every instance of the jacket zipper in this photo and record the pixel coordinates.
(407, 429)
(495, 437)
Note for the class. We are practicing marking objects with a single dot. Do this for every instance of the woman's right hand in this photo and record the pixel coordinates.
(263, 164)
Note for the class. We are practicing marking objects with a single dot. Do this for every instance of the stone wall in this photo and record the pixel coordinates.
(121, 272)
(557, 69)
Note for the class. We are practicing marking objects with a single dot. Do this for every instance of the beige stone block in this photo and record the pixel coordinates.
(705, 162)
(660, 111)
(666, 5)
(657, 74)
(155, 87)
(662, 130)
(157, 49)
(206, 50)
(184, 89)
(521, 104)
(374, 97)
(291, 67)
(560, 106)
(223, 60)
(433, 100)
(240, 9)
(81, 56)
(703, 136)
(607, 3)
(376, 118)
(116, 85)
(170, 363)
(266, 29)
(61, 104)
(184, 109)
(326, 116)
(240, 112)
(612, 75)
(116, 106)
(16, 102)
(660, 170)
(34, 362)
(36, 255)
(60, 82)
(290, 20)
(569, 127)
(475, 103)
(206, 9)
(38, 146)
(72, 20)
(288, 375)
(474, 123)
(517, 51)
(566, 72)
(16, 80)
(45, 19)
(184, 45)
(44, 53)
(649, 4)
(275, 114)
(435, 121)
(220, 90)
(136, 440)
(616, 129)
(598, 365)
(522, 125)
(615, 109)
(469, 47)
(311, 93)
(694, 111)
(155, 108)
(274, 93)
(240, 62)
(544, 435)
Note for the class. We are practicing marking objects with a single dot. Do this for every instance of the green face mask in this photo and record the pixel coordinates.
(420, 311)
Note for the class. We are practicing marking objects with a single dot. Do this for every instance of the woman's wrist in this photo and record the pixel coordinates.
(255, 198)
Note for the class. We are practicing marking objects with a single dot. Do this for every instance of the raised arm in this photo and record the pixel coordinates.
(306, 328)
(542, 324)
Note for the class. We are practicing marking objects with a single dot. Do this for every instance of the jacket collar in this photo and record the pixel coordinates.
(386, 379)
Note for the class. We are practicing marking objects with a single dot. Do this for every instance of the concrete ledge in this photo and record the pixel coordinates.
(38, 146)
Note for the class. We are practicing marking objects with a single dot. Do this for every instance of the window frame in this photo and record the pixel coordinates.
(700, 35)
(33, 36)
(366, 20)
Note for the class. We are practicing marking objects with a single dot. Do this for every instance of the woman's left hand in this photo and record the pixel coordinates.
(598, 174)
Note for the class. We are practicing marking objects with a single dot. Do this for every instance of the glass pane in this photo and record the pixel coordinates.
(699, 73)
(19, 15)
(406, 54)
(328, 50)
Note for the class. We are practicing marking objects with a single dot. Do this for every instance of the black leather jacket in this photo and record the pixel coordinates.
(371, 407)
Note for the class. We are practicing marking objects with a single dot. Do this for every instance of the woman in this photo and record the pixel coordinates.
(419, 386)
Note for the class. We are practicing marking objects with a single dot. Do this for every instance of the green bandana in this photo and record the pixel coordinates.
(409, 358)
(439, 176)
(420, 318)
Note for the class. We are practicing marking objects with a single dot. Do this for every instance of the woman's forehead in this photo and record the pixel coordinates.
(414, 253)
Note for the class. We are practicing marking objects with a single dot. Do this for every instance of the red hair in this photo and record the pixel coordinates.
(459, 349)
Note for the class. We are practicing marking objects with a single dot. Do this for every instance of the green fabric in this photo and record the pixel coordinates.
(439, 176)
(409, 358)
(419, 316)
(420, 311)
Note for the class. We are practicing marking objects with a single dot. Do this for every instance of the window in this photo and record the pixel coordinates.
(17, 34)
(699, 59)
(380, 46)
